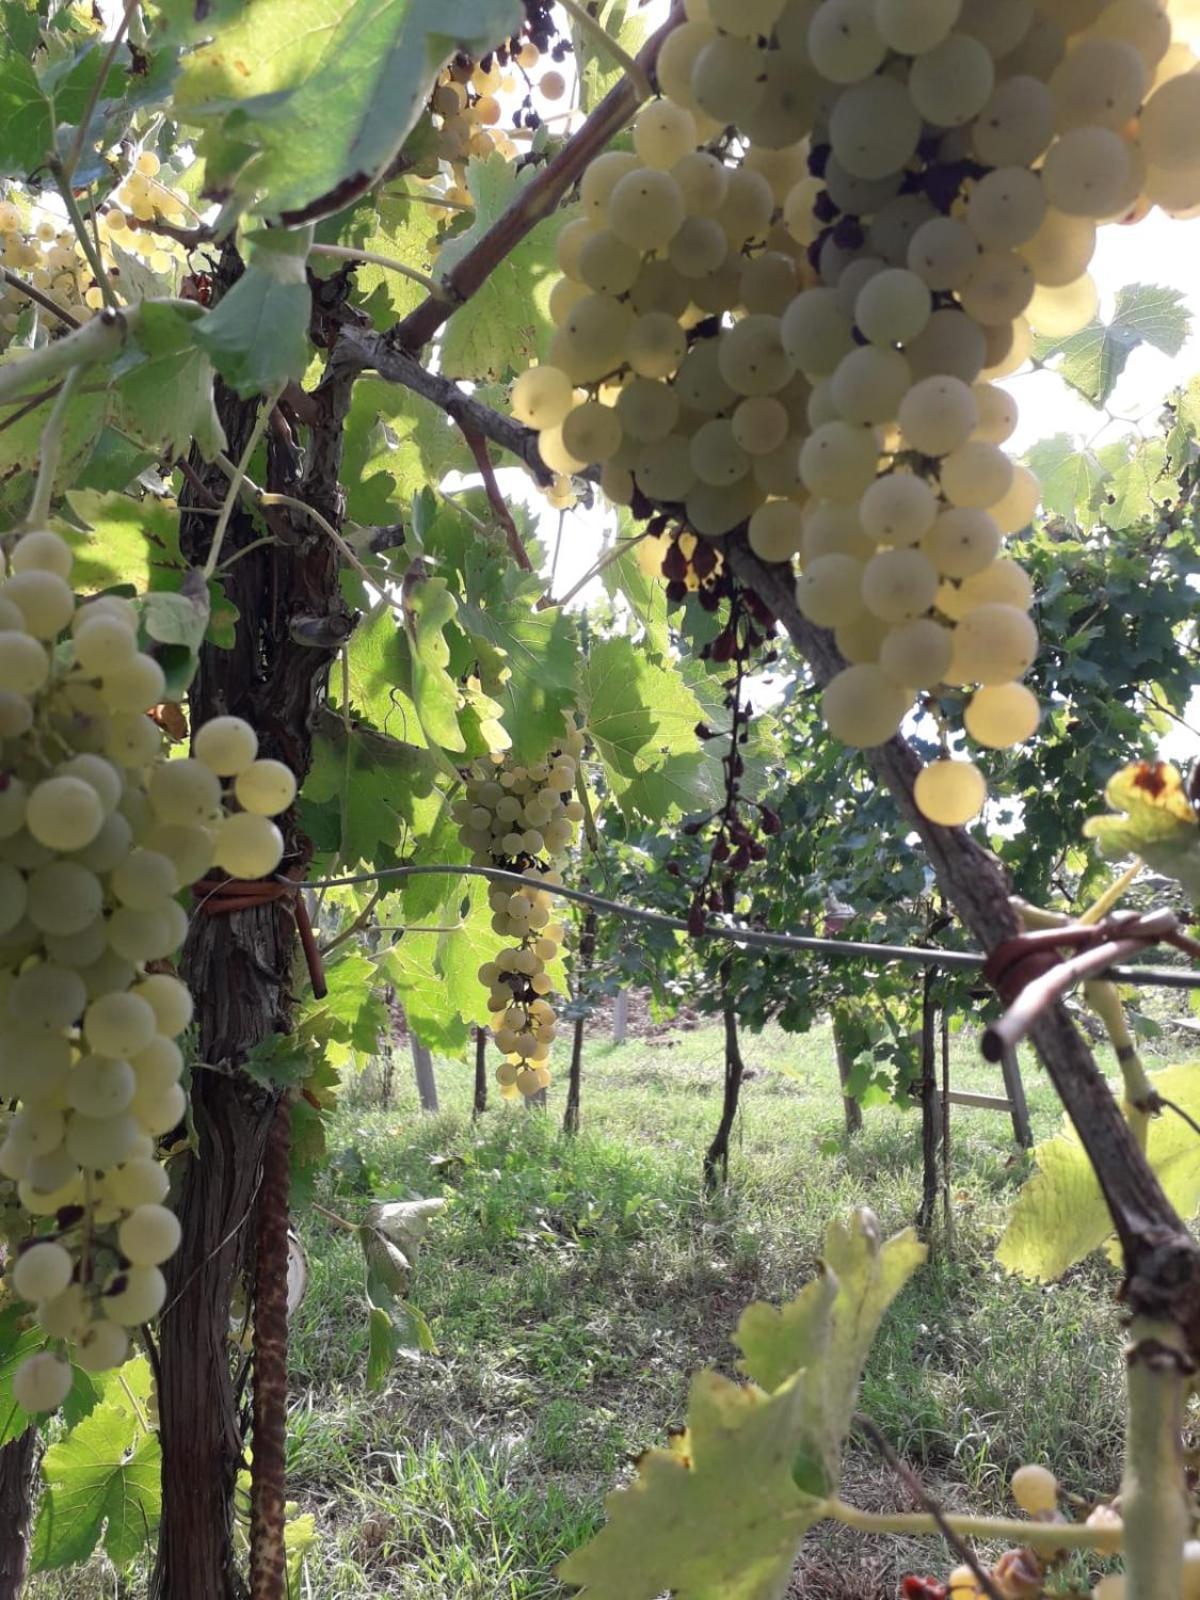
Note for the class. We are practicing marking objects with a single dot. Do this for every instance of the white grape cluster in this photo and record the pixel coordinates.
(788, 306)
(99, 832)
(523, 819)
(42, 251)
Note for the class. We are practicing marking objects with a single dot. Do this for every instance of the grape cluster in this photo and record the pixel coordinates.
(786, 310)
(99, 832)
(523, 819)
(46, 254)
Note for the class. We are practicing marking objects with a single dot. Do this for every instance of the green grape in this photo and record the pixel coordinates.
(265, 788)
(227, 745)
(248, 846)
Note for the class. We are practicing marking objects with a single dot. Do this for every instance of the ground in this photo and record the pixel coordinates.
(572, 1287)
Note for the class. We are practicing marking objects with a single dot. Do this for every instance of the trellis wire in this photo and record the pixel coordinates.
(755, 938)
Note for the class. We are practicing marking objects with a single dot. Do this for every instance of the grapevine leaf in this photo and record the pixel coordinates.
(411, 966)
(33, 103)
(16, 1343)
(622, 20)
(164, 383)
(428, 608)
(1060, 1215)
(507, 321)
(1156, 821)
(723, 1523)
(123, 540)
(386, 224)
(645, 595)
(102, 1485)
(257, 335)
(538, 666)
(20, 446)
(1135, 470)
(1069, 475)
(380, 787)
(642, 718)
(380, 677)
(396, 443)
(1093, 359)
(304, 105)
(829, 1329)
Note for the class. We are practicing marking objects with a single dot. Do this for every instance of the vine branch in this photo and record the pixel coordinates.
(534, 203)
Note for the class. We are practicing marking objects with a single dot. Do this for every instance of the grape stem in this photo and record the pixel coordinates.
(236, 476)
(344, 253)
(87, 244)
(50, 451)
(110, 55)
(607, 45)
(1046, 1537)
(39, 297)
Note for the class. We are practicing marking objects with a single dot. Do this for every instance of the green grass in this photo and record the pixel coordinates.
(573, 1287)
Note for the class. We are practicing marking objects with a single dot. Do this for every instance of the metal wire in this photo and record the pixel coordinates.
(754, 938)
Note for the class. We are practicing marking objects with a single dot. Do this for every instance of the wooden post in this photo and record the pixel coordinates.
(620, 1016)
(479, 1103)
(587, 952)
(929, 1102)
(423, 1068)
(947, 1206)
(850, 1106)
(1015, 1090)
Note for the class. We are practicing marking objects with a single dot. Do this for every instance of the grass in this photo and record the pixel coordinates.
(573, 1287)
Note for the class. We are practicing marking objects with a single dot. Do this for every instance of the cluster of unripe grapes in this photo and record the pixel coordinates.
(523, 819)
(785, 311)
(45, 252)
(99, 833)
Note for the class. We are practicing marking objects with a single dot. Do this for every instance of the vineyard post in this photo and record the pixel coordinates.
(480, 1098)
(930, 1131)
(845, 1065)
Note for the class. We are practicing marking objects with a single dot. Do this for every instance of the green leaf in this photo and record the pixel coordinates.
(721, 1523)
(1095, 357)
(382, 788)
(102, 1486)
(719, 1516)
(428, 608)
(536, 674)
(642, 719)
(125, 539)
(507, 321)
(1134, 481)
(411, 964)
(1070, 476)
(31, 104)
(396, 443)
(386, 224)
(1060, 1216)
(622, 20)
(304, 105)
(20, 447)
(164, 383)
(16, 1342)
(257, 334)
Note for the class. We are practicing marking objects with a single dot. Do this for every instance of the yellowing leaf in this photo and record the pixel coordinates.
(1060, 1215)
(718, 1516)
(725, 1528)
(1159, 822)
(829, 1328)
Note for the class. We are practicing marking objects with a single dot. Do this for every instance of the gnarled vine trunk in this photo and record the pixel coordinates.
(17, 1461)
(240, 968)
